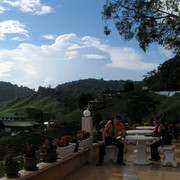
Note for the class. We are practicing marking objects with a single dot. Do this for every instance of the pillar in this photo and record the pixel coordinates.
(87, 125)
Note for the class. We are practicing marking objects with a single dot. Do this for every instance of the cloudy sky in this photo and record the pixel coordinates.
(50, 42)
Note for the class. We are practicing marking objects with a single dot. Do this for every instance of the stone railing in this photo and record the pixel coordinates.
(61, 168)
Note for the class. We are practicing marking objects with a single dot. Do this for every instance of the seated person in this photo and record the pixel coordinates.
(165, 139)
(111, 131)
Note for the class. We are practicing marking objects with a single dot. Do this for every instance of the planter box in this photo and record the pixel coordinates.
(49, 158)
(85, 143)
(66, 151)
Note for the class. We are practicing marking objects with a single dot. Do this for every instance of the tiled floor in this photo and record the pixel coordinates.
(112, 171)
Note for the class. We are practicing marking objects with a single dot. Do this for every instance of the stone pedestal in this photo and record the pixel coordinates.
(87, 125)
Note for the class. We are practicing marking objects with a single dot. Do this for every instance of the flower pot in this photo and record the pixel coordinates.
(52, 157)
(30, 163)
(66, 151)
(85, 143)
(12, 169)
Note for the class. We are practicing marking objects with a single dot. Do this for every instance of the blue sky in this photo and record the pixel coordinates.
(50, 42)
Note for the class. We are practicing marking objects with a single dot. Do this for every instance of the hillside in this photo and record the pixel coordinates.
(166, 77)
(9, 91)
(49, 103)
(35, 106)
(95, 86)
(135, 107)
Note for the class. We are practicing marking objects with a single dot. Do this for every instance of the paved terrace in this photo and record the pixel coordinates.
(112, 171)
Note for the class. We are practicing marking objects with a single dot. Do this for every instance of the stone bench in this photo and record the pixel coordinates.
(111, 153)
(168, 151)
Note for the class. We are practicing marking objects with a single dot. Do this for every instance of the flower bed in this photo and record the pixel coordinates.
(64, 148)
(48, 151)
(84, 139)
(66, 151)
(85, 143)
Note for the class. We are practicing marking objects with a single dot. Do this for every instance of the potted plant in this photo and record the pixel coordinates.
(64, 146)
(29, 157)
(84, 139)
(48, 151)
(11, 164)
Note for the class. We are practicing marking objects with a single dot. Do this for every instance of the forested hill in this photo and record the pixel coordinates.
(95, 86)
(56, 102)
(9, 91)
(166, 77)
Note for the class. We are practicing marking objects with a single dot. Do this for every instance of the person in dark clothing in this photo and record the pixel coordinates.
(164, 140)
(111, 131)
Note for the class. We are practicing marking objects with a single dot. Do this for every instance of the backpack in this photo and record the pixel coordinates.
(112, 122)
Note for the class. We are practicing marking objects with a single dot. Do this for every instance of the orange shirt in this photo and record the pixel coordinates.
(117, 129)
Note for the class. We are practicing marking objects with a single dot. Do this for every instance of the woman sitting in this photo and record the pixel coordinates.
(165, 138)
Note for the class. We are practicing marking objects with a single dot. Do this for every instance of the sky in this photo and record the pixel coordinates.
(51, 42)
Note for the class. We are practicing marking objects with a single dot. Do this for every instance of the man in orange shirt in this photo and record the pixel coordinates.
(111, 131)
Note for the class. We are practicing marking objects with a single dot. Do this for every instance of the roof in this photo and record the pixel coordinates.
(11, 115)
(20, 123)
(167, 93)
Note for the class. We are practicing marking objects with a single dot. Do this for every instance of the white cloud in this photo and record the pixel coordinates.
(2, 36)
(2, 9)
(18, 39)
(94, 56)
(128, 58)
(12, 27)
(49, 36)
(5, 68)
(69, 55)
(30, 6)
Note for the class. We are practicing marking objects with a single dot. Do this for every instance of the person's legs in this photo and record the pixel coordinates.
(111, 141)
(101, 154)
(102, 147)
(120, 145)
(154, 150)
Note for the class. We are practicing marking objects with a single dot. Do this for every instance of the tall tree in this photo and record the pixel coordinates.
(147, 20)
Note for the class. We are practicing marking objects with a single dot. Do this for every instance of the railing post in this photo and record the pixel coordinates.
(87, 125)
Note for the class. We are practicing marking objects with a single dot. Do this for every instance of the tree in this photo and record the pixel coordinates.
(147, 20)
(138, 105)
(83, 100)
(167, 76)
(129, 86)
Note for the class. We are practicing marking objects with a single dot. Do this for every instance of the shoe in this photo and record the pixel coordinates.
(99, 164)
(121, 163)
(157, 159)
(154, 159)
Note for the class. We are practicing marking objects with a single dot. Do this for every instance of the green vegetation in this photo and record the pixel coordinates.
(48, 103)
(166, 77)
(147, 21)
(9, 91)
(140, 107)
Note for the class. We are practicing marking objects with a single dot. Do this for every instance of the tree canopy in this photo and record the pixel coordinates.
(148, 21)
(166, 77)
